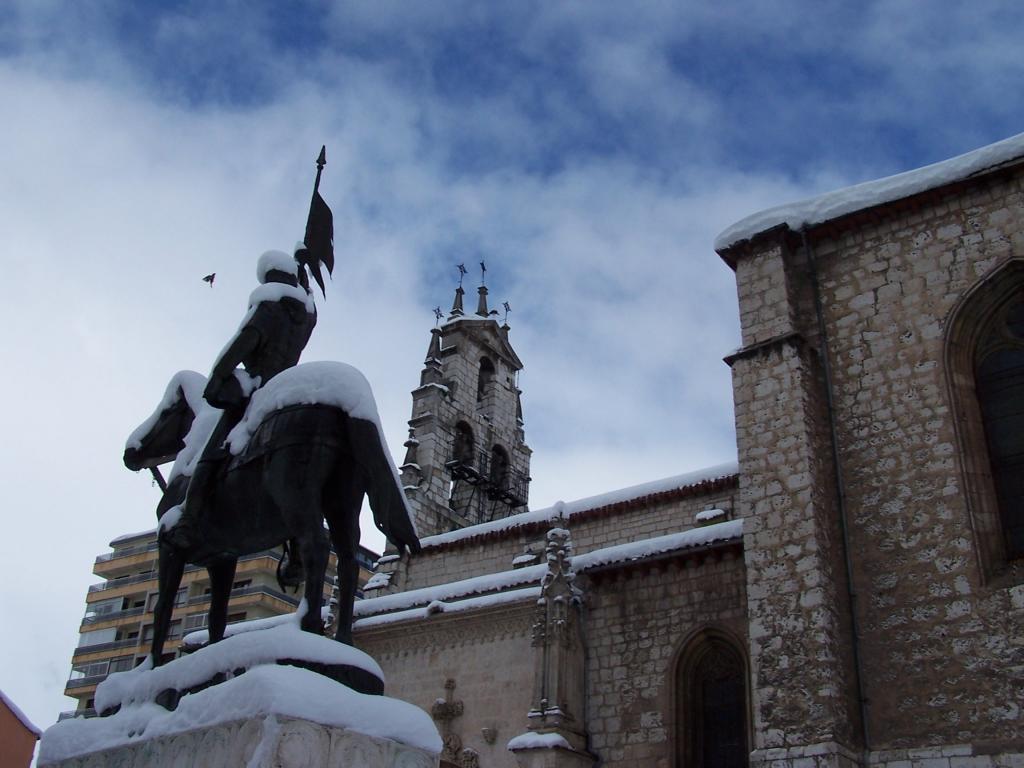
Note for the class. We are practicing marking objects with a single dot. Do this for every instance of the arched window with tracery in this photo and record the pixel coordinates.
(711, 704)
(985, 371)
(999, 378)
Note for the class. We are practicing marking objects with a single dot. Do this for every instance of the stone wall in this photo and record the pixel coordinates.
(488, 657)
(635, 522)
(944, 756)
(440, 565)
(637, 622)
(802, 669)
(940, 644)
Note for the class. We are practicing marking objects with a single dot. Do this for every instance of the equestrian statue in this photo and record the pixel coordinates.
(266, 453)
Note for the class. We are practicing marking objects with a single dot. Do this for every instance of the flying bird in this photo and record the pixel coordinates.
(210, 278)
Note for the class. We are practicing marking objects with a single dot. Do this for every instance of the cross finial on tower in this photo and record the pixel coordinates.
(483, 273)
(438, 314)
(508, 308)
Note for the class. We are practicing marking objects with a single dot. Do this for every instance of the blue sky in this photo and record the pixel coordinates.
(588, 151)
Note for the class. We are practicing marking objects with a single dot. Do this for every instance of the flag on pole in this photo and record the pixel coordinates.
(319, 239)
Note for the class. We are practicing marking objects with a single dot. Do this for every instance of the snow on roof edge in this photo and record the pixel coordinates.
(507, 585)
(658, 545)
(567, 509)
(442, 607)
(832, 205)
(490, 582)
(22, 717)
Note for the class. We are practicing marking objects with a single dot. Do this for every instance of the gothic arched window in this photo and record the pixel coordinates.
(711, 705)
(999, 382)
(985, 371)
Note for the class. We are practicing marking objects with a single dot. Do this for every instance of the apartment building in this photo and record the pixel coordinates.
(118, 623)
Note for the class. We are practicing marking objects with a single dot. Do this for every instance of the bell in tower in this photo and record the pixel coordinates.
(466, 459)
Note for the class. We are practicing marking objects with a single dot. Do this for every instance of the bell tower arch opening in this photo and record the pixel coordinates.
(485, 379)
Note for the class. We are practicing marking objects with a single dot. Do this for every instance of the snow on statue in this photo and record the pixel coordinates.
(308, 448)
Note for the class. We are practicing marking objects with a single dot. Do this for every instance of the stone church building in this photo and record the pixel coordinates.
(849, 593)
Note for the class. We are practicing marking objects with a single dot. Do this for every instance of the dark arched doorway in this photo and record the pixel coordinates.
(712, 705)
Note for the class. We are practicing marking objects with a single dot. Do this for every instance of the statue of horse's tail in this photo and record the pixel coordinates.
(387, 499)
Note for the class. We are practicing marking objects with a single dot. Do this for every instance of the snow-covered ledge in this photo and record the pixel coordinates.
(547, 750)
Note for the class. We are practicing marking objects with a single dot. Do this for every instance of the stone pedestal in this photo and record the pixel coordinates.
(270, 741)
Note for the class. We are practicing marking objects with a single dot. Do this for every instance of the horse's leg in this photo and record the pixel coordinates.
(222, 577)
(295, 478)
(169, 570)
(315, 552)
(343, 522)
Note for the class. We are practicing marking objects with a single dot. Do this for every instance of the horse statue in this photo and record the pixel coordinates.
(307, 451)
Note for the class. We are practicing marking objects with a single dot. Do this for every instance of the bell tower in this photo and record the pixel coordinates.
(466, 460)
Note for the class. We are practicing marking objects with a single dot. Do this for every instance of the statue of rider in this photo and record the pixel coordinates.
(271, 338)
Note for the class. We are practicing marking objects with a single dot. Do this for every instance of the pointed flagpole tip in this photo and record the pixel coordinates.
(321, 161)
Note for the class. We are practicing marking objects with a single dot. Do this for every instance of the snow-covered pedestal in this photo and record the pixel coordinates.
(272, 741)
(263, 715)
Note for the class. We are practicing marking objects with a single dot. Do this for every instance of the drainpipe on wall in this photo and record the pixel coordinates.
(598, 761)
(840, 487)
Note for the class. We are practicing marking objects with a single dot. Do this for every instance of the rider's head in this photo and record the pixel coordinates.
(302, 258)
(277, 267)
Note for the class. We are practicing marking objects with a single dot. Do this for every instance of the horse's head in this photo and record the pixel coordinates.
(160, 437)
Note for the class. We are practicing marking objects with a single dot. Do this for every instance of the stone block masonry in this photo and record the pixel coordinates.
(939, 640)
